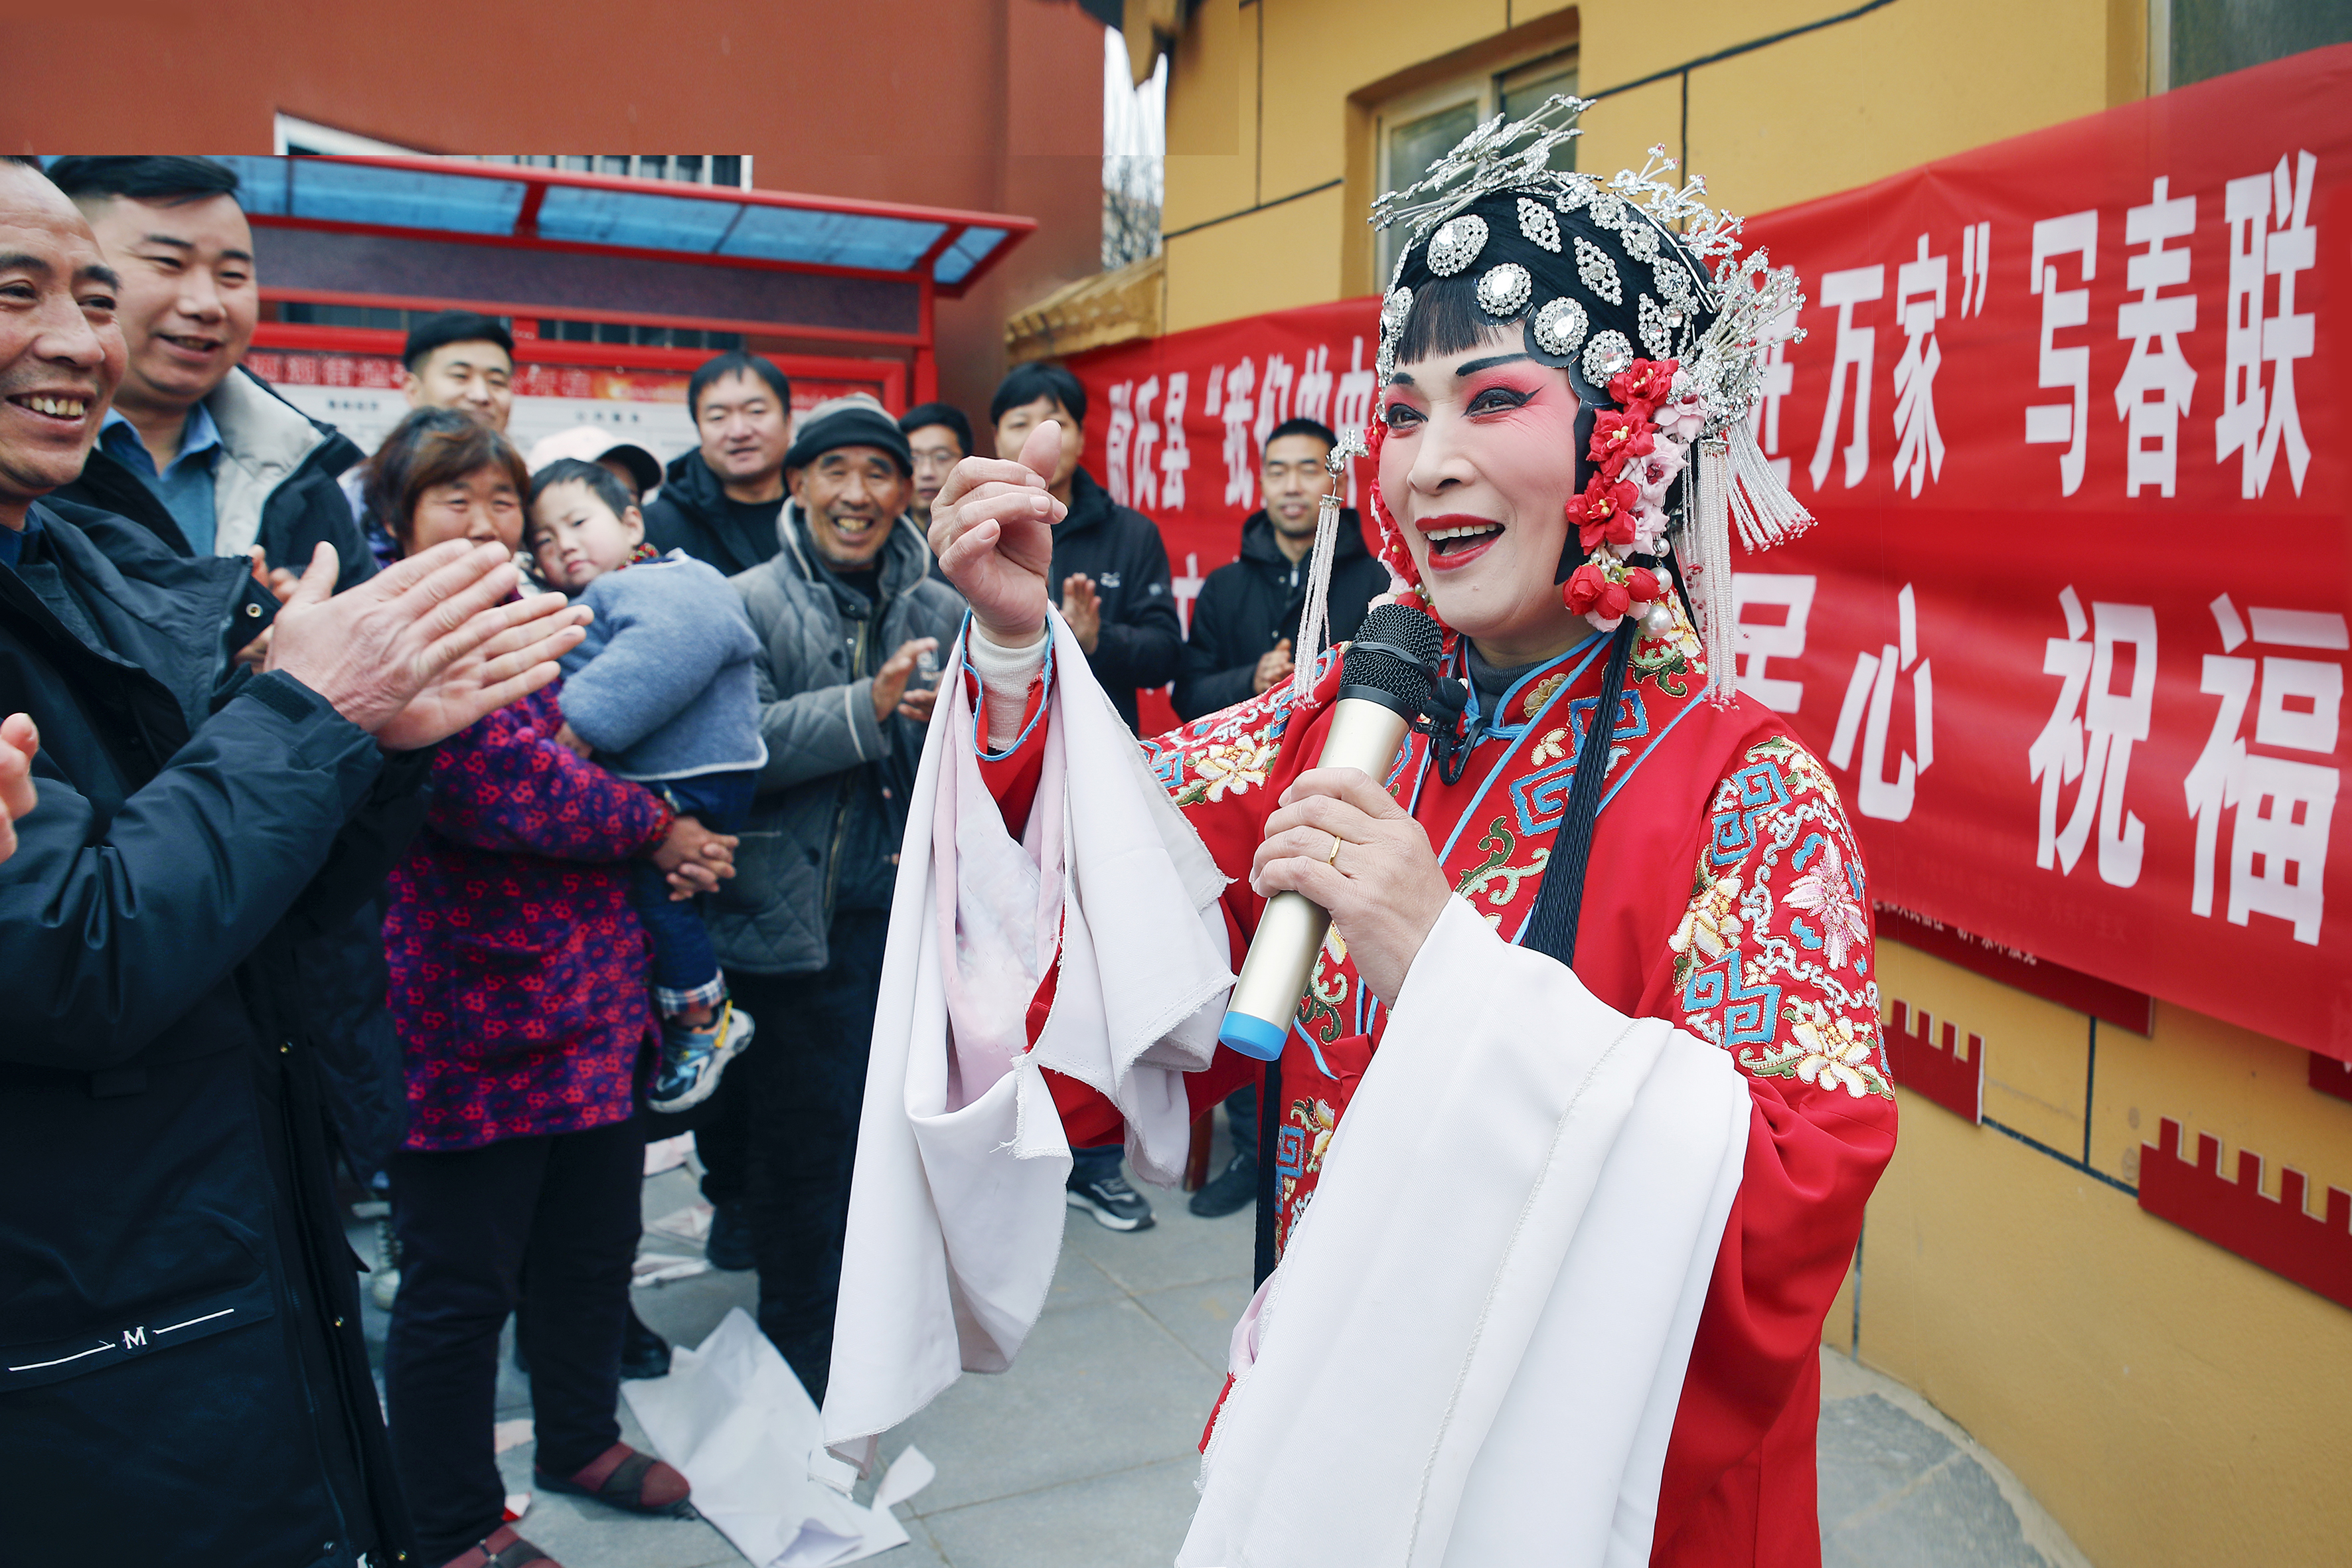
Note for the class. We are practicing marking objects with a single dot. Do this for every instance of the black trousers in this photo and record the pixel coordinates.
(807, 1082)
(722, 1134)
(550, 1223)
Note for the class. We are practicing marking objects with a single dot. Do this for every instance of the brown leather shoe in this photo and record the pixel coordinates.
(502, 1548)
(625, 1478)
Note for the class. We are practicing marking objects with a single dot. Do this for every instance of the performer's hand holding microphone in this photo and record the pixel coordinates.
(1384, 682)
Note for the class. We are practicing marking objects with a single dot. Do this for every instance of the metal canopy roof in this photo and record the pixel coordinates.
(551, 208)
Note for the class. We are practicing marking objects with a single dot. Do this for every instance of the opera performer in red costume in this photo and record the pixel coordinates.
(1579, 1111)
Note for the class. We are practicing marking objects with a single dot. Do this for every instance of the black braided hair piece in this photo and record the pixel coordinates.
(1560, 901)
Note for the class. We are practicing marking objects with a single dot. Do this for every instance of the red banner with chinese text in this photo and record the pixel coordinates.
(2072, 629)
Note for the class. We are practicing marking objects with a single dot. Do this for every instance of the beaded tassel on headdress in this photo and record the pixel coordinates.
(1710, 560)
(1315, 614)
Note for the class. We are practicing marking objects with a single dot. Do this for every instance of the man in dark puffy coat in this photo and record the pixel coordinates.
(848, 615)
(1245, 622)
(181, 1373)
(1110, 564)
(250, 470)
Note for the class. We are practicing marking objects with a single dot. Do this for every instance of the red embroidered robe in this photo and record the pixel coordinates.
(1724, 894)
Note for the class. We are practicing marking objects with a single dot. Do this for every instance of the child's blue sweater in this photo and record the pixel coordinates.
(663, 686)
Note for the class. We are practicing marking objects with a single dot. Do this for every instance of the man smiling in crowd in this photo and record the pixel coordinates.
(200, 452)
(463, 361)
(720, 502)
(938, 437)
(845, 613)
(1245, 621)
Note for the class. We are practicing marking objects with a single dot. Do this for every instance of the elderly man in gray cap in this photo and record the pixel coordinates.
(851, 626)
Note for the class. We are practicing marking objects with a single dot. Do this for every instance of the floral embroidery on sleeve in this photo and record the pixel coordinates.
(1229, 753)
(1773, 960)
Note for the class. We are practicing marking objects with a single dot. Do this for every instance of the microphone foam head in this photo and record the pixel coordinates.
(1395, 651)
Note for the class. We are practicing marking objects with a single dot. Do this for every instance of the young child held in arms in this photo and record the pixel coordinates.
(662, 693)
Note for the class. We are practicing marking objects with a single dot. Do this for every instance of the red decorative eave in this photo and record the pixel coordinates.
(1936, 1073)
(2274, 1233)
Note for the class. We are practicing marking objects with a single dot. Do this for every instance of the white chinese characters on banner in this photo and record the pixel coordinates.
(1919, 287)
(2089, 736)
(1855, 351)
(2067, 368)
(1273, 404)
(1143, 487)
(1119, 439)
(2271, 236)
(1869, 710)
(2278, 840)
(1241, 463)
(1175, 456)
(1186, 586)
(2152, 397)
(1351, 408)
(1976, 266)
(1779, 379)
(1758, 641)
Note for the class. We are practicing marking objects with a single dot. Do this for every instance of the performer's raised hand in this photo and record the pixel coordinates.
(992, 531)
(1340, 839)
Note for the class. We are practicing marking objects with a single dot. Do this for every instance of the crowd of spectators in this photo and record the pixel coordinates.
(437, 825)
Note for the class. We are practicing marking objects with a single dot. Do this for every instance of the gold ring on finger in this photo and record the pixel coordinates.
(1332, 860)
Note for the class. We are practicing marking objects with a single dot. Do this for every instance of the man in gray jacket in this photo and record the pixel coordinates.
(850, 622)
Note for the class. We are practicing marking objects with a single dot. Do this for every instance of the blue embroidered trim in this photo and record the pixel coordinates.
(1751, 1014)
(1320, 1065)
(1610, 792)
(979, 724)
(1596, 642)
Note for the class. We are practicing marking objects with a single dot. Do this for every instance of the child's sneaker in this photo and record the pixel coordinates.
(692, 1060)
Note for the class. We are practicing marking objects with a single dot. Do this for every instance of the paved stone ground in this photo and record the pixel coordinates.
(1084, 1454)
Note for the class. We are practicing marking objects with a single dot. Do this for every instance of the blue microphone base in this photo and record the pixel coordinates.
(1252, 1035)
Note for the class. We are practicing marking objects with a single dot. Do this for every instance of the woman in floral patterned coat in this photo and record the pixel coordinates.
(1529, 465)
(520, 993)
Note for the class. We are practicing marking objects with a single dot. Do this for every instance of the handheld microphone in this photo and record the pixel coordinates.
(1384, 683)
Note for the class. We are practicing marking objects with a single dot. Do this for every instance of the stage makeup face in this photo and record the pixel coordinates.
(1479, 461)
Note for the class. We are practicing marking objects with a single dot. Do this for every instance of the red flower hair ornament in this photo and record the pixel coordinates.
(1604, 511)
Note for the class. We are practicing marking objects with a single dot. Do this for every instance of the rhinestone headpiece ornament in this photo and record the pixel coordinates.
(1711, 315)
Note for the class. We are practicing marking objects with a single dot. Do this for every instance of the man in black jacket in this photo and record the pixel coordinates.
(1108, 559)
(1245, 622)
(719, 503)
(205, 455)
(197, 450)
(181, 1314)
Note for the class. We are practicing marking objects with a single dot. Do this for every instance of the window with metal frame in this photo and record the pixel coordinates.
(1417, 129)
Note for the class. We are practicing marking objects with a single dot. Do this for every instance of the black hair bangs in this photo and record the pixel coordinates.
(1446, 318)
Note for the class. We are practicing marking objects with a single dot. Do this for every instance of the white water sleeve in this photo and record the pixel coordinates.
(1005, 675)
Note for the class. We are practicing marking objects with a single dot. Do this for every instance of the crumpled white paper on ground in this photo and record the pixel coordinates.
(734, 1420)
